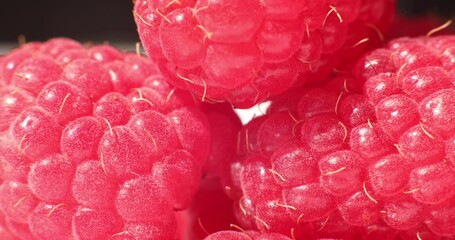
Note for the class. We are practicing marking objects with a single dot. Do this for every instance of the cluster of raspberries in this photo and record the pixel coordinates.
(358, 141)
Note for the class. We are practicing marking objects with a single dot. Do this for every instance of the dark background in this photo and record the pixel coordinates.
(98, 20)
(84, 20)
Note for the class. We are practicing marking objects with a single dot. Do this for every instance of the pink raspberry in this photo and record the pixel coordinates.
(368, 155)
(245, 51)
(94, 144)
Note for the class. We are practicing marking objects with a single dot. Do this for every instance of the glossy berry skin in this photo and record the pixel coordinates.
(238, 50)
(94, 144)
(245, 235)
(367, 155)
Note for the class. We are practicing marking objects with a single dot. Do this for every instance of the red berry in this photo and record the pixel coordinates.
(381, 135)
(95, 144)
(239, 50)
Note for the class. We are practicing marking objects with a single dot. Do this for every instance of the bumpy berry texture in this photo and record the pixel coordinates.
(368, 155)
(247, 235)
(246, 51)
(211, 209)
(94, 144)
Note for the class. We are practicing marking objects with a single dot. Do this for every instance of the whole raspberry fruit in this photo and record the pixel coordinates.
(244, 51)
(367, 155)
(94, 144)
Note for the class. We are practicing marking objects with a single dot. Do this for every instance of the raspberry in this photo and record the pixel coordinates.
(94, 144)
(366, 155)
(246, 51)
